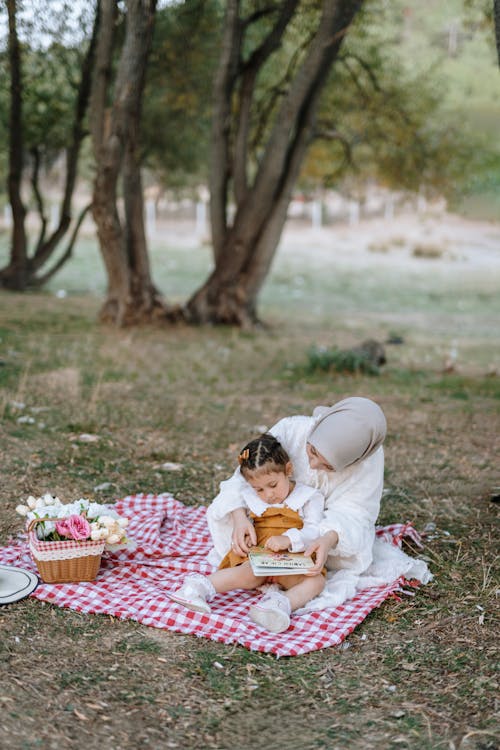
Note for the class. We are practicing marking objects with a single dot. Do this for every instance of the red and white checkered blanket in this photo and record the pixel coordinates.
(172, 540)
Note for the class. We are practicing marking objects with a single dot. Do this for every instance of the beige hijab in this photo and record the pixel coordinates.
(348, 431)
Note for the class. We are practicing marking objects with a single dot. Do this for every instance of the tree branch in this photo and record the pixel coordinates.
(388, 98)
(41, 280)
(258, 15)
(363, 64)
(273, 94)
(250, 71)
(35, 153)
(293, 123)
(332, 134)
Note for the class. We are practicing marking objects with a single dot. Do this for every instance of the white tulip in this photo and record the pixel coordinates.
(123, 522)
(113, 539)
(23, 510)
(95, 535)
(107, 521)
(44, 529)
(31, 502)
(94, 510)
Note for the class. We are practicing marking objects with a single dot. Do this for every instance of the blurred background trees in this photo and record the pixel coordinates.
(225, 101)
(45, 92)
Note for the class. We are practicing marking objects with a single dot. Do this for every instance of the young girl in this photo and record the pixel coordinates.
(285, 516)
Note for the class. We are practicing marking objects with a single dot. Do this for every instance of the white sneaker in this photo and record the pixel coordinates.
(193, 593)
(272, 612)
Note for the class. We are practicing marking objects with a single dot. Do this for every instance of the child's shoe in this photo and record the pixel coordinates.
(272, 612)
(194, 592)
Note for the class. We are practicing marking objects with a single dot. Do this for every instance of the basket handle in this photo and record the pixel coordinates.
(34, 522)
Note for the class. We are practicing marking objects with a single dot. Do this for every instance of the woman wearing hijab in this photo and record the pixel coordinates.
(338, 451)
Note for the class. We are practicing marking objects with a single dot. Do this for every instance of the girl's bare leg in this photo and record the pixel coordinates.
(301, 589)
(240, 577)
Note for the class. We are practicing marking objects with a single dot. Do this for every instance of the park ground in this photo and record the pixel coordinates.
(417, 673)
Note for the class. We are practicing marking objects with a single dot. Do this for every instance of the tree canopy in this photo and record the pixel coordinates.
(254, 99)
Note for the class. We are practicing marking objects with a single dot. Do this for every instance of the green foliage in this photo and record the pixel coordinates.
(50, 80)
(177, 100)
(52, 48)
(407, 109)
(276, 75)
(409, 104)
(323, 359)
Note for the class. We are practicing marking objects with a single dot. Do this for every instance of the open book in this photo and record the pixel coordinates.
(267, 563)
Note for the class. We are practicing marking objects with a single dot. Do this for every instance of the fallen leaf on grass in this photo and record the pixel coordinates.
(87, 437)
(409, 667)
(171, 466)
(79, 715)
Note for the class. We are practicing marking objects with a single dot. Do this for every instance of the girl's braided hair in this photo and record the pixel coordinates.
(265, 452)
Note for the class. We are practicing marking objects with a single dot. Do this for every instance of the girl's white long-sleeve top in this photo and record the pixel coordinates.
(305, 500)
(352, 499)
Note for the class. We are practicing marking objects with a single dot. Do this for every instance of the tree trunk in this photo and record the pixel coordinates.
(131, 296)
(244, 251)
(15, 275)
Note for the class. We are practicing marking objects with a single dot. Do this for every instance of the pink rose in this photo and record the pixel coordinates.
(62, 527)
(74, 527)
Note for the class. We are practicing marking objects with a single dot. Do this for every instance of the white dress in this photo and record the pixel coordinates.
(352, 503)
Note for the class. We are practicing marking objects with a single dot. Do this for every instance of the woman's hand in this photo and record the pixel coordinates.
(320, 548)
(277, 543)
(244, 535)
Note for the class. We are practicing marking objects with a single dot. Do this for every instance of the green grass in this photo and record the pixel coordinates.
(335, 360)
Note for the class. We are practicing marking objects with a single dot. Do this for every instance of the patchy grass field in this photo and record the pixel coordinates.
(417, 674)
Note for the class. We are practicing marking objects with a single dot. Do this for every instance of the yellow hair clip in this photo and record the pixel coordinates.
(243, 455)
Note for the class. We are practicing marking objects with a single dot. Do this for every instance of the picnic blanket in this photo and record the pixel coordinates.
(172, 540)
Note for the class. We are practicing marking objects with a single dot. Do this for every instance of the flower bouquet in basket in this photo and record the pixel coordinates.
(66, 540)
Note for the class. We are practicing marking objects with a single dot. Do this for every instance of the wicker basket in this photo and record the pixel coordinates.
(64, 562)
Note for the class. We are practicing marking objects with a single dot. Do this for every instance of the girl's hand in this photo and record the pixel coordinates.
(244, 535)
(277, 543)
(320, 548)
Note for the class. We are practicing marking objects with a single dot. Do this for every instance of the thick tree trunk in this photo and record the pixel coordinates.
(15, 275)
(225, 79)
(146, 298)
(131, 296)
(246, 249)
